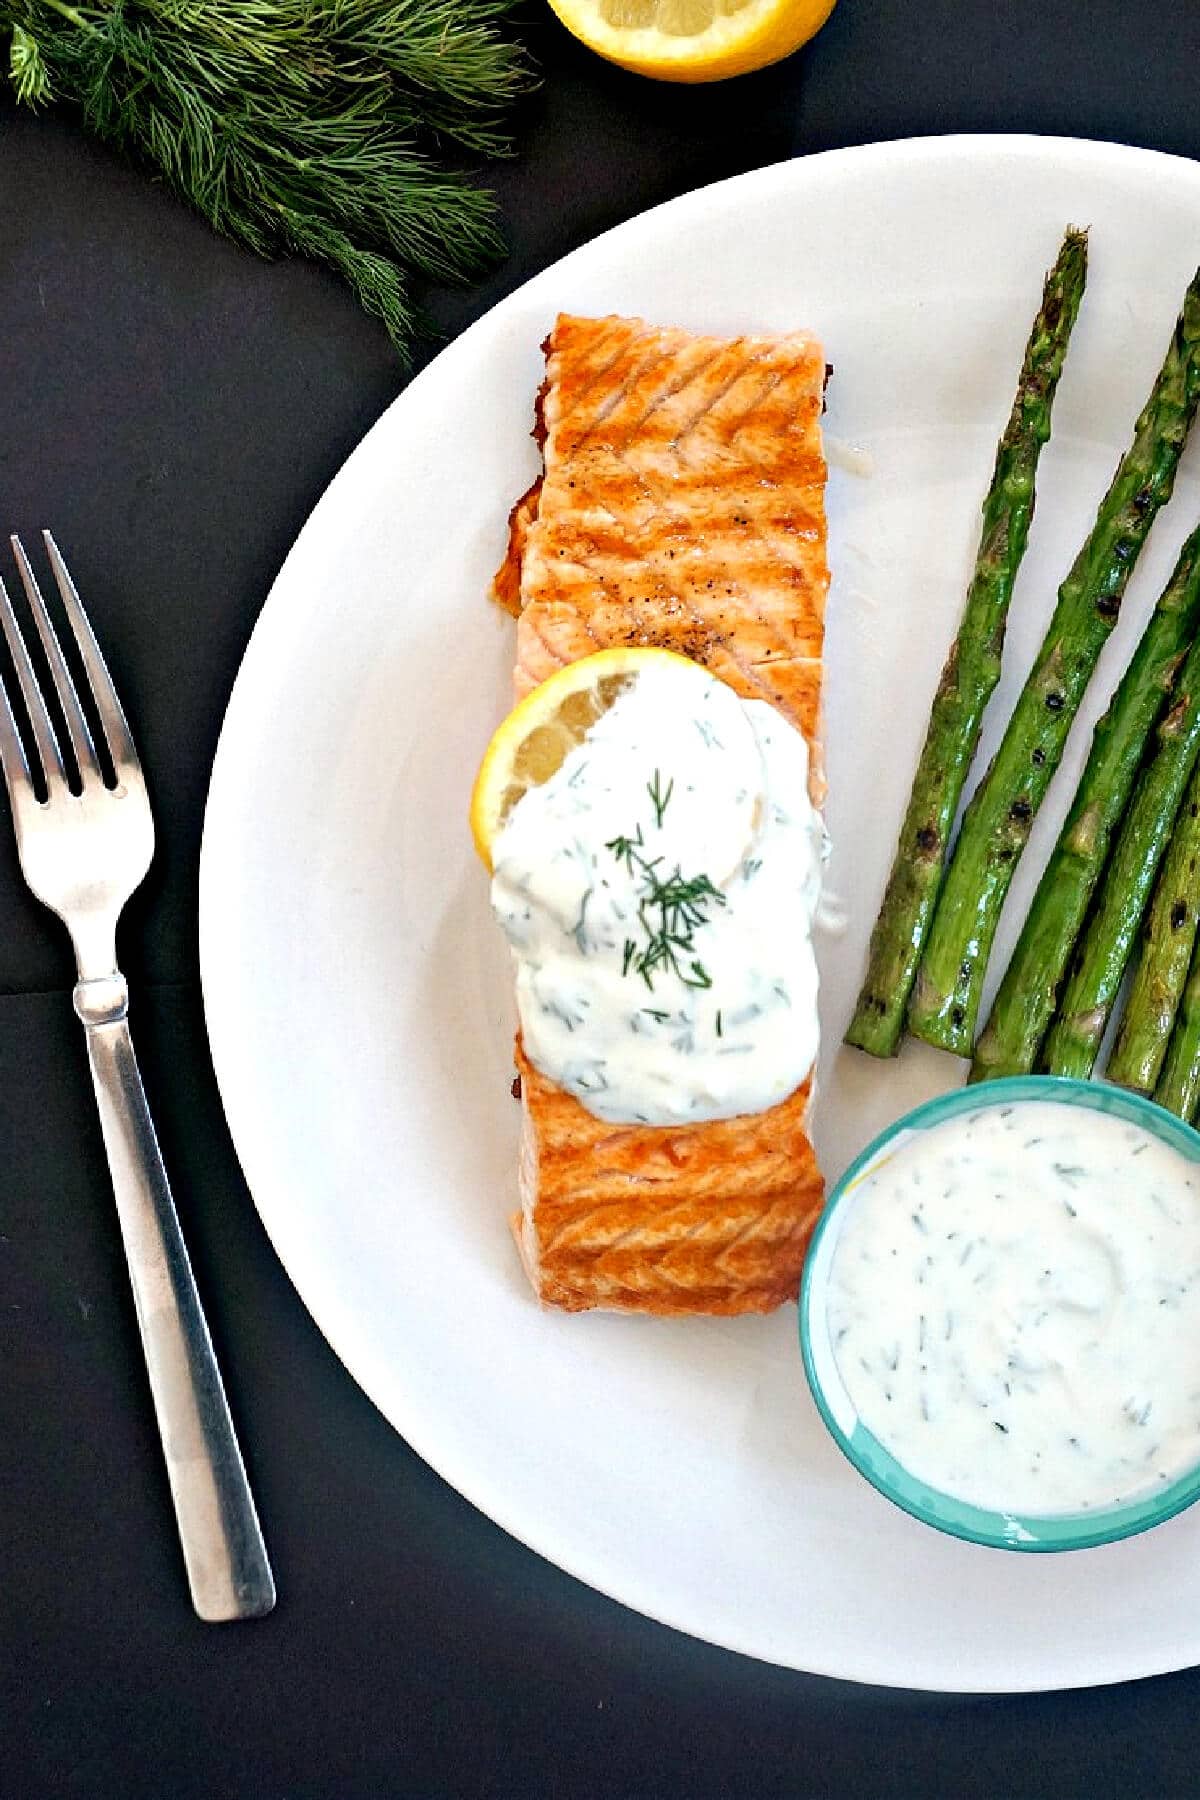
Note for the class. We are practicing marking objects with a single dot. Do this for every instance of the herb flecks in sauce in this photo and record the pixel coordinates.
(1051, 1291)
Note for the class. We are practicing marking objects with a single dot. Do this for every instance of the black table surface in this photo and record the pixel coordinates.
(174, 408)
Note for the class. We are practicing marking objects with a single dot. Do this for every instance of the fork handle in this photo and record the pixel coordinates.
(228, 1571)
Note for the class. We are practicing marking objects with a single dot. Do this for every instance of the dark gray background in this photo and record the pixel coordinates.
(174, 408)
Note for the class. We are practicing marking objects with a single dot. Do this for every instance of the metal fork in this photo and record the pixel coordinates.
(83, 854)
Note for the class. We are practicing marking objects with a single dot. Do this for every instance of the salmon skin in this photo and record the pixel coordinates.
(682, 505)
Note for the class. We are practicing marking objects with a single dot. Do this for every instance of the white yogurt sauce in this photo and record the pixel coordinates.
(658, 893)
(1014, 1308)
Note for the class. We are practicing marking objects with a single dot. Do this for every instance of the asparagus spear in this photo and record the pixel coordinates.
(1179, 1084)
(1025, 1002)
(1103, 952)
(972, 669)
(1164, 957)
(945, 998)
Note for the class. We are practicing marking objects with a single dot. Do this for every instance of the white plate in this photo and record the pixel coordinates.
(358, 994)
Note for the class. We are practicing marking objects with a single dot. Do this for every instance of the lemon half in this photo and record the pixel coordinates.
(541, 731)
(693, 40)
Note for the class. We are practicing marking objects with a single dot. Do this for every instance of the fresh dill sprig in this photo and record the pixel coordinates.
(329, 128)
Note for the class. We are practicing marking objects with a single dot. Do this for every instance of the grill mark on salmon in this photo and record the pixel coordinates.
(649, 366)
(724, 568)
(660, 502)
(633, 410)
(735, 568)
(708, 605)
(711, 412)
(634, 1225)
(621, 335)
(704, 608)
(682, 504)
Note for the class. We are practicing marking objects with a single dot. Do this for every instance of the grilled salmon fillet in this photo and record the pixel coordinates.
(682, 505)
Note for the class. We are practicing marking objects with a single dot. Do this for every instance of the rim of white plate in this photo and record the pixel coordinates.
(253, 1142)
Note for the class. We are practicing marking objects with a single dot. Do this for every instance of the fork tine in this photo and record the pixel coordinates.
(13, 762)
(112, 714)
(64, 686)
(35, 706)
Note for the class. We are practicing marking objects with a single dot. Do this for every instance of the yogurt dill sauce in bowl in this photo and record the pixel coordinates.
(1000, 1315)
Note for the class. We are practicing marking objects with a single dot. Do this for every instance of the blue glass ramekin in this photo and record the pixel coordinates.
(998, 1530)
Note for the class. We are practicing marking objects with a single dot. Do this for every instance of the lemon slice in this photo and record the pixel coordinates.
(539, 733)
(693, 40)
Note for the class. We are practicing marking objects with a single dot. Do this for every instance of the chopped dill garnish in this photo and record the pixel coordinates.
(720, 1033)
(624, 848)
(658, 800)
(670, 911)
